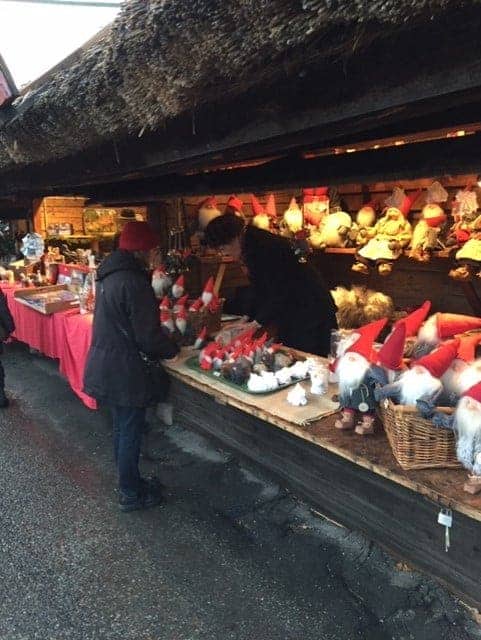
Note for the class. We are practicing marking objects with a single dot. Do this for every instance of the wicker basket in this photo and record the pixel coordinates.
(415, 442)
(204, 318)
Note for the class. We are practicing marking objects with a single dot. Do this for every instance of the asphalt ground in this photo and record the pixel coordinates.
(230, 555)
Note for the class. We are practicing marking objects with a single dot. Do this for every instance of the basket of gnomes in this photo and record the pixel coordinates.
(183, 318)
(415, 442)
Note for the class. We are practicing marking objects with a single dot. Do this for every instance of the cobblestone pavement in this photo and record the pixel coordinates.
(229, 556)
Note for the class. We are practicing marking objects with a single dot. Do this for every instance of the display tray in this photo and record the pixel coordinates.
(193, 363)
(48, 300)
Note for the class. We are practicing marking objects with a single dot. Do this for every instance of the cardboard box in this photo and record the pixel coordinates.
(47, 300)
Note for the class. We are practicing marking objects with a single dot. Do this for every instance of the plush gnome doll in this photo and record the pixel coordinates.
(160, 282)
(390, 355)
(466, 423)
(293, 220)
(463, 372)
(334, 231)
(363, 227)
(440, 326)
(357, 377)
(315, 204)
(260, 220)
(208, 210)
(178, 287)
(427, 230)
(208, 292)
(392, 232)
(234, 205)
(422, 380)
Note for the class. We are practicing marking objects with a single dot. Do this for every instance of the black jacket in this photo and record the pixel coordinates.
(6, 319)
(126, 322)
(287, 294)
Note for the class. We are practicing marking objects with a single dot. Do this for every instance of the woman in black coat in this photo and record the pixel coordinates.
(126, 329)
(288, 298)
(7, 327)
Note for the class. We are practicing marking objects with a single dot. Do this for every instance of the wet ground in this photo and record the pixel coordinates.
(229, 556)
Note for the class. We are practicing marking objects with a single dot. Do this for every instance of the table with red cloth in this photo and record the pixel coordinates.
(64, 335)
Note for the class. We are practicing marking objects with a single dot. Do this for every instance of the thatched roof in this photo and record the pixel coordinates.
(164, 58)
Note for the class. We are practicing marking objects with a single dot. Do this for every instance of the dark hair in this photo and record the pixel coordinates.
(223, 229)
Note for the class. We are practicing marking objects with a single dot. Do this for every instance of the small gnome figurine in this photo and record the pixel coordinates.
(178, 287)
(208, 292)
(466, 423)
(207, 211)
(440, 326)
(422, 380)
(234, 205)
(426, 233)
(392, 233)
(357, 377)
(260, 220)
(363, 227)
(315, 204)
(160, 281)
(293, 220)
(334, 230)
(464, 371)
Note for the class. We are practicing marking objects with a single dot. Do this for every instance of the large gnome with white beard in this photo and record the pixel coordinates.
(357, 377)
(464, 371)
(466, 423)
(422, 380)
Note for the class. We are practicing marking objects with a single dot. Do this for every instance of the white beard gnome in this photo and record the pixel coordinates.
(466, 423)
(422, 380)
(357, 377)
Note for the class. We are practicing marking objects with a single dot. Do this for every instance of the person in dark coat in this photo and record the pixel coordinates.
(126, 330)
(287, 297)
(7, 327)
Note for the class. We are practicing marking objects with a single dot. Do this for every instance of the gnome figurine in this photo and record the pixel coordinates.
(422, 380)
(260, 220)
(234, 205)
(466, 423)
(391, 234)
(426, 233)
(357, 376)
(207, 211)
(413, 323)
(464, 371)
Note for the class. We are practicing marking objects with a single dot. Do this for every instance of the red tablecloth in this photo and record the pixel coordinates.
(65, 335)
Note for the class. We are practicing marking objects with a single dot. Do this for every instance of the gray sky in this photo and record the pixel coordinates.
(35, 37)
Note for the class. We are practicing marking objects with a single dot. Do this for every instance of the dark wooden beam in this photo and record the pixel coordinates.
(436, 158)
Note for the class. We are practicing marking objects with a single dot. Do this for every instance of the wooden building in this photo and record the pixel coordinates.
(190, 98)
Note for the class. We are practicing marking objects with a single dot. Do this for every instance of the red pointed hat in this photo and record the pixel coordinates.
(467, 346)
(235, 203)
(473, 392)
(439, 360)
(257, 208)
(368, 333)
(415, 319)
(408, 202)
(449, 324)
(390, 355)
(208, 203)
(209, 285)
(271, 206)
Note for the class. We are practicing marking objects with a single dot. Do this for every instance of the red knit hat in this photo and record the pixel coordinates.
(368, 333)
(467, 346)
(271, 206)
(138, 236)
(408, 202)
(208, 203)
(438, 360)
(390, 355)
(257, 208)
(449, 324)
(473, 392)
(415, 319)
(235, 203)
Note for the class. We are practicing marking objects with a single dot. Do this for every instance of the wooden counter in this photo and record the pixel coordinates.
(352, 479)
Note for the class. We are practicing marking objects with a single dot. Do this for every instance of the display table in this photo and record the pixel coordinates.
(355, 480)
(65, 336)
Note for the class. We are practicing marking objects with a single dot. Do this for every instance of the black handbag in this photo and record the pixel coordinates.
(4, 334)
